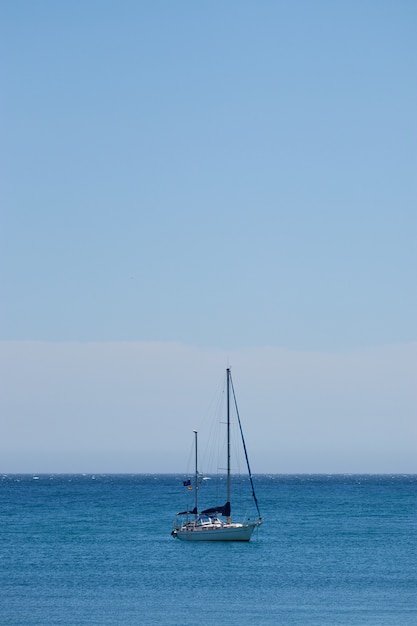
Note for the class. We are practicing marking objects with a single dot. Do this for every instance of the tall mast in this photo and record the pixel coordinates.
(229, 519)
(196, 475)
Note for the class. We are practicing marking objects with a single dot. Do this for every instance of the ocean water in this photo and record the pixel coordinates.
(333, 550)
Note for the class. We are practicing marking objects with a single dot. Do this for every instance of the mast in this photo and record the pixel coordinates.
(196, 475)
(229, 519)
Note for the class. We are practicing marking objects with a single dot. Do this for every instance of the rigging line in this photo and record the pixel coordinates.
(244, 447)
(190, 459)
(210, 427)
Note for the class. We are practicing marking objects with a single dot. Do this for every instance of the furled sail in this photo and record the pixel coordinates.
(193, 512)
(218, 510)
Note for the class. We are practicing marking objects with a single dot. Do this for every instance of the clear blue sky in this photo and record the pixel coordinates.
(233, 177)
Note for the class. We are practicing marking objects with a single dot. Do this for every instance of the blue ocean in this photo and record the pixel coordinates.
(83, 549)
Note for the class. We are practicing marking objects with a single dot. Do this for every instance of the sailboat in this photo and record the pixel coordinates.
(207, 525)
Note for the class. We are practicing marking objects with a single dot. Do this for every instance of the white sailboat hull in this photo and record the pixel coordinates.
(225, 532)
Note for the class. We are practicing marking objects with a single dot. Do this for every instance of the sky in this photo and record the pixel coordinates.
(186, 186)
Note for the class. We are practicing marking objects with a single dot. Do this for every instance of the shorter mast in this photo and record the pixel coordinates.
(196, 475)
